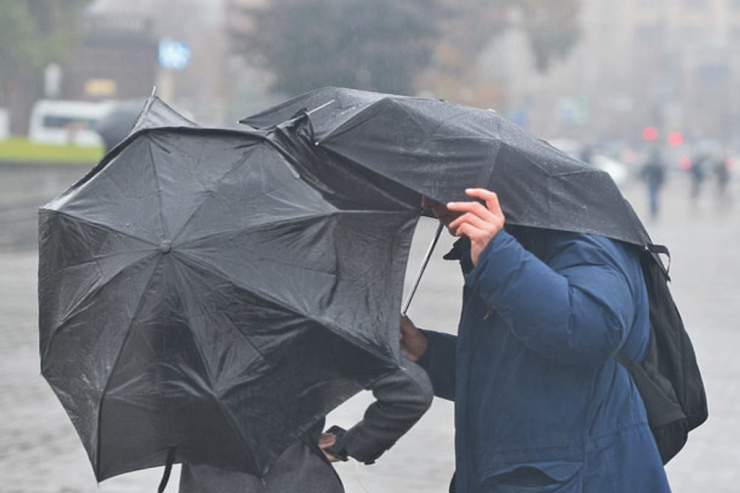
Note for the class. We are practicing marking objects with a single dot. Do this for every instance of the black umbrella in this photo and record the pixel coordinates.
(198, 299)
(439, 149)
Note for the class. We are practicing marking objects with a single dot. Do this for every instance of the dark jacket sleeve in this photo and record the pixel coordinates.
(439, 361)
(402, 397)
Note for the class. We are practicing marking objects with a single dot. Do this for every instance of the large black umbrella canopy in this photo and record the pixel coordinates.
(438, 148)
(198, 297)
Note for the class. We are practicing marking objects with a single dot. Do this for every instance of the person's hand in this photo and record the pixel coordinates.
(413, 342)
(326, 440)
(478, 222)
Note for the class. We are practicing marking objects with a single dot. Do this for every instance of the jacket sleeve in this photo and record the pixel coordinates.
(402, 397)
(439, 361)
(578, 308)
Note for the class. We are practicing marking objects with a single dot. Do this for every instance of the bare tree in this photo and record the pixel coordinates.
(386, 45)
(470, 27)
(379, 45)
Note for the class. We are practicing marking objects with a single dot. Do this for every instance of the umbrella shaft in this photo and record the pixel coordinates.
(424, 263)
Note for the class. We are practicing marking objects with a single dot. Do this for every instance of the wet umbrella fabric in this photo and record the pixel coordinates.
(197, 297)
(439, 149)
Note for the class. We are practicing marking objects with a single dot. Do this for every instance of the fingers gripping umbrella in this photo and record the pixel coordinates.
(198, 297)
(439, 149)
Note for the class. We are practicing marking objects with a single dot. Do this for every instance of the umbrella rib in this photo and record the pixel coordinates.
(198, 348)
(112, 371)
(98, 288)
(235, 426)
(156, 179)
(351, 122)
(226, 412)
(237, 164)
(89, 295)
(586, 168)
(325, 323)
(200, 206)
(276, 223)
(102, 226)
(282, 222)
(209, 267)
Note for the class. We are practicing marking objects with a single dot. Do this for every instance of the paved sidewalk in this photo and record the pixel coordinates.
(40, 452)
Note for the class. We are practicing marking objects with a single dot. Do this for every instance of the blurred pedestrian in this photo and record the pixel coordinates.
(722, 174)
(698, 171)
(653, 173)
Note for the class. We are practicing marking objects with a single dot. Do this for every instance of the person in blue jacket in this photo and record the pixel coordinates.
(541, 405)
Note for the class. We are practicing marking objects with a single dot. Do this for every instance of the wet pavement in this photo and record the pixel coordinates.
(40, 452)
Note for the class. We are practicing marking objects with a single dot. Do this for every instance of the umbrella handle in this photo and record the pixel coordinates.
(424, 263)
(167, 470)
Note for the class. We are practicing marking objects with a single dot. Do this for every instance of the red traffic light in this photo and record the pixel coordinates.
(650, 133)
(675, 139)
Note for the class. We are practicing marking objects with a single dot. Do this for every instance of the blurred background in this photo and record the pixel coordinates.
(595, 71)
(644, 89)
(609, 82)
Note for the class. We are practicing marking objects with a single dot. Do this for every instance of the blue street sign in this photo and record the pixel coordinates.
(173, 54)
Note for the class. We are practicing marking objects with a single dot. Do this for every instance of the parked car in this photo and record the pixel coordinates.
(66, 122)
(619, 171)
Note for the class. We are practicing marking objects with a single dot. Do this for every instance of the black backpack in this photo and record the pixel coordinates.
(669, 379)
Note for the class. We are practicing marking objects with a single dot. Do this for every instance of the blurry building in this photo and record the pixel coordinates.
(179, 49)
(116, 59)
(669, 64)
(236, 16)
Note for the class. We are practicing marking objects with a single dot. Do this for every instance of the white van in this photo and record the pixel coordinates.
(66, 122)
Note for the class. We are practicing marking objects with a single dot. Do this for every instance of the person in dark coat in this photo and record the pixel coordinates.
(698, 172)
(541, 405)
(722, 174)
(402, 397)
(653, 172)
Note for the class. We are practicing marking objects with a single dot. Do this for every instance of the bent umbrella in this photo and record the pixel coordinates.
(438, 148)
(198, 297)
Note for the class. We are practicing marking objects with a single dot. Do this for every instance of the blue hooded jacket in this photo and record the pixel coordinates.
(540, 402)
